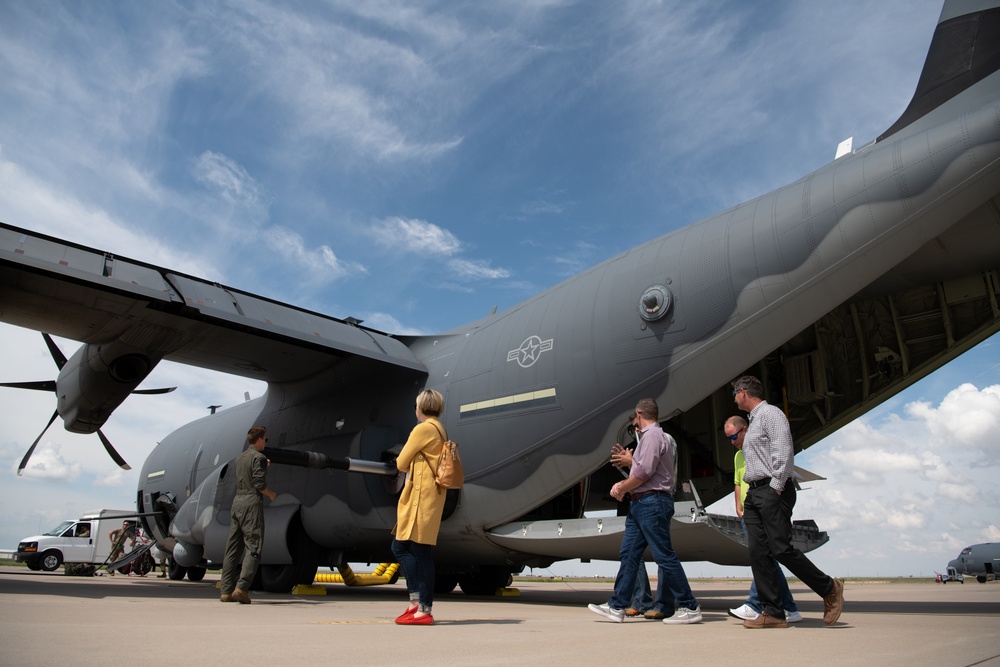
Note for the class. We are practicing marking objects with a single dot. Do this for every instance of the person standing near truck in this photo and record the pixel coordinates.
(246, 528)
(118, 537)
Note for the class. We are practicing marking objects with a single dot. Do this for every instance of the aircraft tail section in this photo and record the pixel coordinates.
(965, 50)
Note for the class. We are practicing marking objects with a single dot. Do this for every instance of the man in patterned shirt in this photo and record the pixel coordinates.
(767, 510)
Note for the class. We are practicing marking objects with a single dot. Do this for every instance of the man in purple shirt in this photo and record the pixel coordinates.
(651, 484)
(767, 510)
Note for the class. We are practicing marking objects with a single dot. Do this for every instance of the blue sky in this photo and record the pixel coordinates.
(416, 164)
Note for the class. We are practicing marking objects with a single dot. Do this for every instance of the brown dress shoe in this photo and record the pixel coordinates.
(833, 603)
(226, 597)
(241, 596)
(764, 622)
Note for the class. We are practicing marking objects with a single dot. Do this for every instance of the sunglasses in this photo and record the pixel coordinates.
(735, 436)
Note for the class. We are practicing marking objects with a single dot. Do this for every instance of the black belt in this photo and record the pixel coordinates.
(759, 482)
(636, 496)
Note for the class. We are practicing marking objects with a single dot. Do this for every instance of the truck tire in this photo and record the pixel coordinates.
(51, 560)
(33, 564)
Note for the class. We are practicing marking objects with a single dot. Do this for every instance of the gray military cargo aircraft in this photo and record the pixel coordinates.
(981, 561)
(838, 290)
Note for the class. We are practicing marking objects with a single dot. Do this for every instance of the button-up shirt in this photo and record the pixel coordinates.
(653, 461)
(767, 446)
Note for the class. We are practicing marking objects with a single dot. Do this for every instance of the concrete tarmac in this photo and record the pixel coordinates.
(52, 619)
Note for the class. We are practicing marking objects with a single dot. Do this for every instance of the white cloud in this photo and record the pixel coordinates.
(389, 324)
(967, 417)
(228, 178)
(415, 236)
(962, 493)
(316, 265)
(477, 269)
(371, 94)
(47, 463)
(26, 200)
(576, 257)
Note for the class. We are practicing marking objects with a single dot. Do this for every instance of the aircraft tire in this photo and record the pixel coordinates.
(302, 570)
(445, 583)
(195, 573)
(486, 581)
(50, 560)
(174, 571)
(981, 579)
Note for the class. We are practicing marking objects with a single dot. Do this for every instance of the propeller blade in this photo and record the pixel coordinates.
(40, 385)
(57, 355)
(161, 390)
(112, 453)
(31, 449)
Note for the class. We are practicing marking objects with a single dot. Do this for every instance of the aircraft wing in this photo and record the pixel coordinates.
(696, 535)
(95, 297)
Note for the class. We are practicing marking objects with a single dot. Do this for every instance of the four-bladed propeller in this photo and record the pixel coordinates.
(51, 385)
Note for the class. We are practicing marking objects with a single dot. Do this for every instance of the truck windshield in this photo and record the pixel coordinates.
(60, 528)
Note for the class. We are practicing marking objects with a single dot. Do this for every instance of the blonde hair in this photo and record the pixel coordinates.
(430, 402)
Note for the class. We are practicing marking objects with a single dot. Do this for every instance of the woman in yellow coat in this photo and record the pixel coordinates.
(418, 515)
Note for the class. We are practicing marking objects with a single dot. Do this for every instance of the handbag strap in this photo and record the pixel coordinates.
(443, 437)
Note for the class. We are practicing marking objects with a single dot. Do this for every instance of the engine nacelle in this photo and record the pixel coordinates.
(97, 379)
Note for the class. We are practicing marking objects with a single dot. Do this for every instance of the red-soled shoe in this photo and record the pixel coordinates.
(426, 619)
(405, 615)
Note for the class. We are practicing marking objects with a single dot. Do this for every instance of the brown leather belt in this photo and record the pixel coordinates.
(636, 496)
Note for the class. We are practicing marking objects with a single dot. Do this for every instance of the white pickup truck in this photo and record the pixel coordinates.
(83, 541)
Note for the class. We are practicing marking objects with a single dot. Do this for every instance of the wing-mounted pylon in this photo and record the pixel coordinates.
(90, 385)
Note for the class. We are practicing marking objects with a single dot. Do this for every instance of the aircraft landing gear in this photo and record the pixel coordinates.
(486, 580)
(302, 570)
(174, 571)
(445, 583)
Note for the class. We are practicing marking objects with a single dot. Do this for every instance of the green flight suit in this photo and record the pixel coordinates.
(246, 528)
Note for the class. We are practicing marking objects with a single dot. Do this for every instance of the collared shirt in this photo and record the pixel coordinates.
(767, 446)
(653, 461)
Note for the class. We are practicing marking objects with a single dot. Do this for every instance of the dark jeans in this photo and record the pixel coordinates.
(648, 524)
(642, 596)
(768, 519)
(418, 565)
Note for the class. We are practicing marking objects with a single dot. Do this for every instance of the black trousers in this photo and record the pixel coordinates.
(768, 518)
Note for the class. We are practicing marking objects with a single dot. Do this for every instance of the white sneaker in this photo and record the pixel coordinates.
(608, 612)
(746, 613)
(793, 616)
(684, 616)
